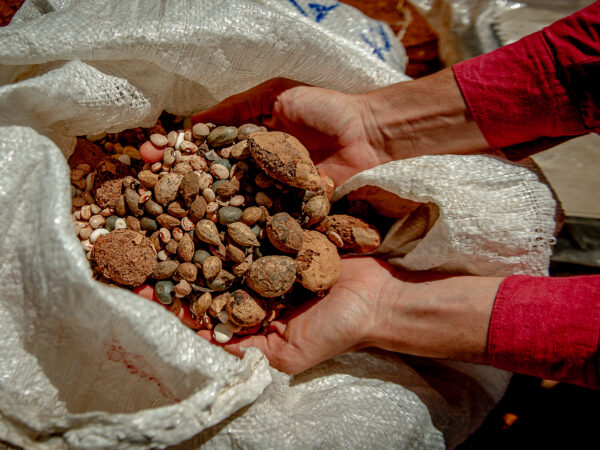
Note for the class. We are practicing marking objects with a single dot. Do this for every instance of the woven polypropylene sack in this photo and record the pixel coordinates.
(85, 365)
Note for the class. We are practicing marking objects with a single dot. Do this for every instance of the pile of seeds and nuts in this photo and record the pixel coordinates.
(224, 226)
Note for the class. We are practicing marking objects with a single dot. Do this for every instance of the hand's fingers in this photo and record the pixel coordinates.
(249, 106)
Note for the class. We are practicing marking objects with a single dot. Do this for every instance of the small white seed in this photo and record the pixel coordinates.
(168, 157)
(97, 233)
(223, 316)
(209, 195)
(177, 156)
(188, 147)
(107, 212)
(120, 224)
(86, 212)
(162, 255)
(219, 171)
(145, 196)
(95, 208)
(200, 131)
(180, 138)
(159, 140)
(165, 235)
(97, 221)
(77, 215)
(212, 208)
(236, 200)
(206, 180)
(87, 245)
(335, 238)
(222, 333)
(172, 138)
(156, 167)
(187, 224)
(178, 233)
(125, 159)
(85, 231)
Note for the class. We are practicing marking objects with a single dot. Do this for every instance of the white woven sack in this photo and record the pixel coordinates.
(84, 365)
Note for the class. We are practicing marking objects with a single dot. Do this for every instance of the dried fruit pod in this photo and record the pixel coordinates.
(284, 158)
(271, 276)
(148, 178)
(251, 215)
(124, 256)
(176, 209)
(242, 235)
(223, 281)
(189, 187)
(198, 208)
(235, 253)
(108, 182)
(187, 271)
(357, 235)
(182, 289)
(166, 189)
(245, 309)
(165, 269)
(318, 262)
(185, 248)
(284, 232)
(206, 231)
(132, 199)
(315, 210)
(211, 267)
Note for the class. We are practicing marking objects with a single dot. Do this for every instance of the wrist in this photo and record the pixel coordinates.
(442, 317)
(421, 117)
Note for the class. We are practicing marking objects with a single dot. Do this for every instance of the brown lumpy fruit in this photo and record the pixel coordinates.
(318, 262)
(108, 182)
(124, 256)
(357, 235)
(284, 158)
(284, 232)
(271, 276)
(245, 309)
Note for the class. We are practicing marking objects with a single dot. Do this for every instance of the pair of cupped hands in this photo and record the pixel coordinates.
(343, 139)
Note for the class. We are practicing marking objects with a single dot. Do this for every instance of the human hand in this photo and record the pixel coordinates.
(375, 305)
(332, 125)
(322, 328)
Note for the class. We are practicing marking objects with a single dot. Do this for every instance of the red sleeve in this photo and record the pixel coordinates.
(534, 93)
(548, 327)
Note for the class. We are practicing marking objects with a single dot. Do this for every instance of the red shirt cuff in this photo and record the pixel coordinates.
(548, 327)
(516, 96)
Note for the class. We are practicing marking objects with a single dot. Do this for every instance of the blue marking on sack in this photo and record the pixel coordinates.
(378, 48)
(321, 10)
(318, 11)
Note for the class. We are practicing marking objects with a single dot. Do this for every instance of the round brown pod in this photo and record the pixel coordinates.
(271, 276)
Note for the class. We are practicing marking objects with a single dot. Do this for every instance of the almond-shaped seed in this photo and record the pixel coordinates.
(251, 215)
(201, 303)
(153, 208)
(222, 136)
(206, 231)
(148, 178)
(186, 248)
(235, 253)
(263, 199)
(168, 221)
(176, 209)
(162, 255)
(211, 267)
(241, 234)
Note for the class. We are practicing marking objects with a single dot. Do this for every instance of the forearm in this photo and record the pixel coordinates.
(424, 116)
(445, 318)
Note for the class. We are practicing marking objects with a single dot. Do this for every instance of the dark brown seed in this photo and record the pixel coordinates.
(186, 248)
(189, 187)
(198, 208)
(187, 271)
(153, 208)
(176, 209)
(133, 223)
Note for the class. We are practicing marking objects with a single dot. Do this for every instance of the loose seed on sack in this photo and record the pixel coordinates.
(214, 218)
